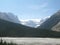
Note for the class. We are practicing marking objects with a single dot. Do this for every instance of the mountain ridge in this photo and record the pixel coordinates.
(11, 29)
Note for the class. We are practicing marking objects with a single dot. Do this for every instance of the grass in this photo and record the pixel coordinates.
(5, 43)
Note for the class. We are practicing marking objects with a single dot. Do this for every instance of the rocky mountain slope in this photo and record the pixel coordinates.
(52, 23)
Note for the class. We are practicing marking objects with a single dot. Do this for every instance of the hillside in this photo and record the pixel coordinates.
(51, 22)
(9, 29)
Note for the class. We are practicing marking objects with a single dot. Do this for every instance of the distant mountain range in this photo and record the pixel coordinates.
(13, 18)
(9, 29)
(12, 29)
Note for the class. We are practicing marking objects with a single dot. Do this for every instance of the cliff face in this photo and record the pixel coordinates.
(56, 27)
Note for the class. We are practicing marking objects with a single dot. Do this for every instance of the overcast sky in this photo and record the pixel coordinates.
(30, 9)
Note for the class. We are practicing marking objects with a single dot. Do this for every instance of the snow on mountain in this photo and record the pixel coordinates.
(32, 22)
(9, 17)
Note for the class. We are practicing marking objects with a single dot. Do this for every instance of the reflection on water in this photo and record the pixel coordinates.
(32, 41)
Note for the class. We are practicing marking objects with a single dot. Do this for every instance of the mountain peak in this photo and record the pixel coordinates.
(9, 17)
(57, 13)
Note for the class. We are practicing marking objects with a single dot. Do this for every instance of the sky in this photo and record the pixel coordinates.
(30, 9)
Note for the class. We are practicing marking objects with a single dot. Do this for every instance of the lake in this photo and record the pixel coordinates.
(32, 41)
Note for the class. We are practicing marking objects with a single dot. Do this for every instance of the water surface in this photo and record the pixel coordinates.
(32, 41)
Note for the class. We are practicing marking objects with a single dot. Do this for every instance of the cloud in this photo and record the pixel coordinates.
(30, 22)
(33, 22)
(37, 7)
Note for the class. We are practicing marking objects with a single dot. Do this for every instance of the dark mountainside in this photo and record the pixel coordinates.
(9, 29)
(52, 21)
